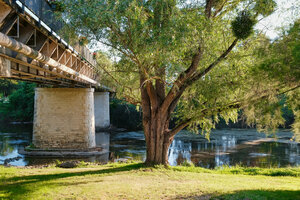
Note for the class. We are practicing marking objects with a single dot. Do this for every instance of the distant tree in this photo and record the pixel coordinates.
(125, 115)
(197, 57)
(20, 106)
(7, 87)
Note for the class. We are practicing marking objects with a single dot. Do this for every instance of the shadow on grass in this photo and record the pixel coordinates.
(19, 187)
(248, 195)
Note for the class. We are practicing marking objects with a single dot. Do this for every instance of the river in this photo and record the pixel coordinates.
(244, 147)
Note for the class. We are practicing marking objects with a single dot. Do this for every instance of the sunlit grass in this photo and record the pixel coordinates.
(288, 171)
(135, 181)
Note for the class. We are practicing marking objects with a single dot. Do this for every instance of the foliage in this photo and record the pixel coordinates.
(242, 26)
(277, 72)
(265, 7)
(124, 115)
(184, 60)
(7, 86)
(57, 5)
(83, 41)
(67, 33)
(21, 104)
(186, 163)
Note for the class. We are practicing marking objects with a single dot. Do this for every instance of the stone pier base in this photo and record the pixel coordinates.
(102, 117)
(64, 119)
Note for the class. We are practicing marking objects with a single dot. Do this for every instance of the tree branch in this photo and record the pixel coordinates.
(220, 9)
(178, 89)
(204, 113)
(182, 78)
(207, 70)
(114, 78)
(179, 127)
(215, 63)
(160, 83)
(131, 100)
(122, 51)
(208, 7)
(117, 32)
(152, 95)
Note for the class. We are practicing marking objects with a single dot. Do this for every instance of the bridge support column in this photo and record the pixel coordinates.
(64, 118)
(102, 117)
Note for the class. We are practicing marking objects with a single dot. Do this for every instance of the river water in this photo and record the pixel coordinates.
(245, 147)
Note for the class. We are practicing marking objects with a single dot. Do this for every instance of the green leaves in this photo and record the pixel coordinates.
(157, 40)
(276, 76)
(243, 24)
(20, 105)
(265, 7)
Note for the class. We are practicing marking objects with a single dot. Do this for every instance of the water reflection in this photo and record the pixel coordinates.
(20, 135)
(5, 147)
(102, 140)
(226, 147)
(231, 147)
(11, 137)
(128, 145)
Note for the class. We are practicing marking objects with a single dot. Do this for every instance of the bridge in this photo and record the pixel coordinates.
(70, 101)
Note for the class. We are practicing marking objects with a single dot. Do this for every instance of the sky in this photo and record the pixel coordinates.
(284, 15)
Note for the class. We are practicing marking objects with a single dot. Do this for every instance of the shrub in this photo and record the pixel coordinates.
(20, 106)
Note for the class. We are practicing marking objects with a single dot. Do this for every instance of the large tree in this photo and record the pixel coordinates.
(191, 60)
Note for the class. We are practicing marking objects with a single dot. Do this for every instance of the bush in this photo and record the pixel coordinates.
(125, 115)
(20, 106)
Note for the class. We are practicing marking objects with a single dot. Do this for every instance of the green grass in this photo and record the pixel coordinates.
(295, 171)
(135, 181)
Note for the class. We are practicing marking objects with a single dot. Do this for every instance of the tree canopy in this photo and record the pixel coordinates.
(193, 60)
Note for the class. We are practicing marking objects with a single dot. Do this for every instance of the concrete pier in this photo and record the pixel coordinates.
(102, 117)
(64, 118)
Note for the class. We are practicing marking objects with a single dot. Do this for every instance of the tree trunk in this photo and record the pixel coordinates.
(156, 123)
(157, 142)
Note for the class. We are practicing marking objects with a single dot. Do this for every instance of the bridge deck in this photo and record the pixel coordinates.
(30, 50)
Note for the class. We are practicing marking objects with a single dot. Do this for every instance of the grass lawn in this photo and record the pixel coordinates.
(134, 181)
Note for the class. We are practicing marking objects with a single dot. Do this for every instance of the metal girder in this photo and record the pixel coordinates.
(39, 69)
(29, 52)
(47, 56)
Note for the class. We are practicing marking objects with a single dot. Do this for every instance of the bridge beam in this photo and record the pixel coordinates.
(64, 119)
(21, 48)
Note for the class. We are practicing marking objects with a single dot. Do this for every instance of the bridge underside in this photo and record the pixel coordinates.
(32, 52)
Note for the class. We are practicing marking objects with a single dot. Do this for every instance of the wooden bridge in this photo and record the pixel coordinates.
(67, 109)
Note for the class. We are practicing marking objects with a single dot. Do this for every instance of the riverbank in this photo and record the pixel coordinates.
(135, 181)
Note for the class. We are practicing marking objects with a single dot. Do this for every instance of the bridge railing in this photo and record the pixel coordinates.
(45, 12)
